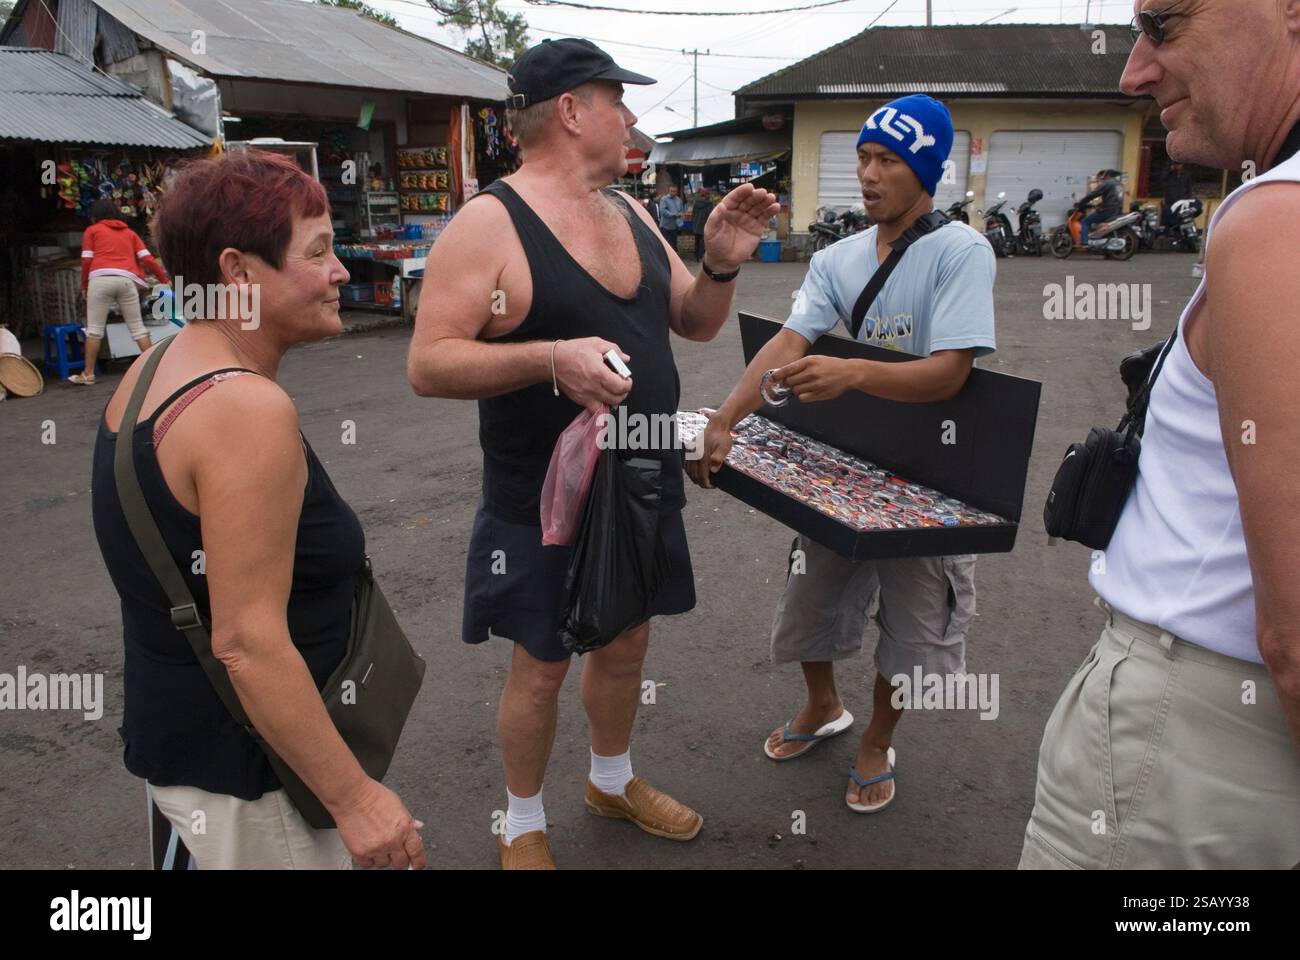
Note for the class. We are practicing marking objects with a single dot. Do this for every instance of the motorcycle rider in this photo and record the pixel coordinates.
(1178, 186)
(1110, 191)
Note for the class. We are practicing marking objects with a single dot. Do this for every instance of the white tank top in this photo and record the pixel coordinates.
(1178, 558)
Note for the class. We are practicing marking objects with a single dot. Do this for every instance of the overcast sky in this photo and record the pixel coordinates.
(743, 48)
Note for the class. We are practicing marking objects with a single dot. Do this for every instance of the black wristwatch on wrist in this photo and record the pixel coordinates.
(718, 277)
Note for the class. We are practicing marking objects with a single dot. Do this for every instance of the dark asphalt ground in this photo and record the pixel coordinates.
(965, 786)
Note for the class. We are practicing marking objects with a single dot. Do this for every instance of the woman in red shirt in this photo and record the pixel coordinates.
(111, 258)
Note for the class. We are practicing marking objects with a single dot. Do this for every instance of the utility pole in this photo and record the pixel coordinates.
(929, 19)
(695, 72)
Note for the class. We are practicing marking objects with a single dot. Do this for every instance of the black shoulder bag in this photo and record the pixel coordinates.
(927, 224)
(1094, 480)
(370, 692)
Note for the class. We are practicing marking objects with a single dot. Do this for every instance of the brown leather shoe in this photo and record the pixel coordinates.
(652, 811)
(530, 851)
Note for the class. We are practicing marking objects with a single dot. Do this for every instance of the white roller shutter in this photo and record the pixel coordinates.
(948, 193)
(837, 170)
(1058, 162)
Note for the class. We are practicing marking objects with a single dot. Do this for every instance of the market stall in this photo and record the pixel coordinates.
(70, 136)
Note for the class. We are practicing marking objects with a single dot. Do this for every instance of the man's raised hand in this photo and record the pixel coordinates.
(736, 224)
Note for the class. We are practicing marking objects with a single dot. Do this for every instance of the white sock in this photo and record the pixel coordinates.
(523, 815)
(611, 774)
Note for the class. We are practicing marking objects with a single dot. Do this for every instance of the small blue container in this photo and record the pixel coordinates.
(769, 251)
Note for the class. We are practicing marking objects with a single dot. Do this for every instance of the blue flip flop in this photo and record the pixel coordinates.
(824, 732)
(868, 781)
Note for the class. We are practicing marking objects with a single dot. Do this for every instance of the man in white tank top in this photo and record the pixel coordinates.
(1177, 743)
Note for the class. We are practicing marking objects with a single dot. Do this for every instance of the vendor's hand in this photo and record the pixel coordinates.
(709, 450)
(736, 224)
(378, 830)
(585, 378)
(818, 378)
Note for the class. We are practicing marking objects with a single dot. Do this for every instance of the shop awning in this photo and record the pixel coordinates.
(723, 148)
(52, 98)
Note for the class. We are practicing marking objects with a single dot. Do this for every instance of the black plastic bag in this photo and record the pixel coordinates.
(618, 562)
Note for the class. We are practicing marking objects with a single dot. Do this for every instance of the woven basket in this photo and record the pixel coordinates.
(19, 376)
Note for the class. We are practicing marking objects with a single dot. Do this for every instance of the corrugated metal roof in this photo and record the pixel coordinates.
(724, 148)
(1013, 59)
(50, 97)
(76, 33)
(26, 70)
(305, 43)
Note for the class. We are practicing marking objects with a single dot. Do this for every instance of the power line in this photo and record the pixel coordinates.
(684, 13)
(646, 46)
(669, 94)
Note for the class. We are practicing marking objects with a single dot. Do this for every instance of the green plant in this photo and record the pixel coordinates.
(502, 37)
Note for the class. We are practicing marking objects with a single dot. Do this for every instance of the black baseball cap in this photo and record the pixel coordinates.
(554, 66)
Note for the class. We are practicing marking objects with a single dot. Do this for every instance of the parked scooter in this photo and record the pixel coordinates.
(1029, 238)
(958, 209)
(836, 226)
(1148, 227)
(1116, 239)
(825, 231)
(997, 228)
(1185, 234)
(855, 219)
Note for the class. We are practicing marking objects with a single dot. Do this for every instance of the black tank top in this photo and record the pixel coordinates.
(518, 430)
(175, 728)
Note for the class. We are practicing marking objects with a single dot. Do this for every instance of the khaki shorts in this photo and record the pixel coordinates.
(926, 608)
(1156, 758)
(226, 833)
(104, 291)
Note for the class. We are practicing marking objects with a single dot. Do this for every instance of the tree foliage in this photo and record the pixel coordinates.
(492, 34)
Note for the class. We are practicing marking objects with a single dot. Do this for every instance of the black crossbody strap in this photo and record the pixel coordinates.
(927, 224)
(1135, 419)
(144, 528)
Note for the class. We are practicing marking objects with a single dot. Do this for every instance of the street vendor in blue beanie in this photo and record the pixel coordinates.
(918, 129)
(936, 306)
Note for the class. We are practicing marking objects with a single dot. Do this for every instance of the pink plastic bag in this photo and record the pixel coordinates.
(568, 479)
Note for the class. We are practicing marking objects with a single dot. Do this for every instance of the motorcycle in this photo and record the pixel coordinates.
(1147, 228)
(836, 226)
(1030, 236)
(825, 231)
(855, 219)
(958, 209)
(1184, 234)
(997, 228)
(1116, 239)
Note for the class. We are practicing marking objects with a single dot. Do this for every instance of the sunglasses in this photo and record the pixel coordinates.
(1152, 24)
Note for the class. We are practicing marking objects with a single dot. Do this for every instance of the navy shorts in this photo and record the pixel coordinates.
(524, 601)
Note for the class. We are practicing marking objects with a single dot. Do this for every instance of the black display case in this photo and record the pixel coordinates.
(985, 464)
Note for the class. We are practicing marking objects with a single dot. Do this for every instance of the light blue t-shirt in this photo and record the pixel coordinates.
(939, 297)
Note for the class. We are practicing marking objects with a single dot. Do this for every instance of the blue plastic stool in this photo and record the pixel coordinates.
(64, 352)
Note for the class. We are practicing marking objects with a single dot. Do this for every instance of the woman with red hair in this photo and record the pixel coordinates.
(266, 545)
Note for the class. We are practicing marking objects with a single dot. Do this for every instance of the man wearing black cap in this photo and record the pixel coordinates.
(534, 286)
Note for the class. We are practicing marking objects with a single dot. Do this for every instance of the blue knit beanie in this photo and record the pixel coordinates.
(917, 128)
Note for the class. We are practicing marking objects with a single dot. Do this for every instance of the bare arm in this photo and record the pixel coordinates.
(249, 507)
(447, 358)
(1254, 352)
(743, 400)
(939, 376)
